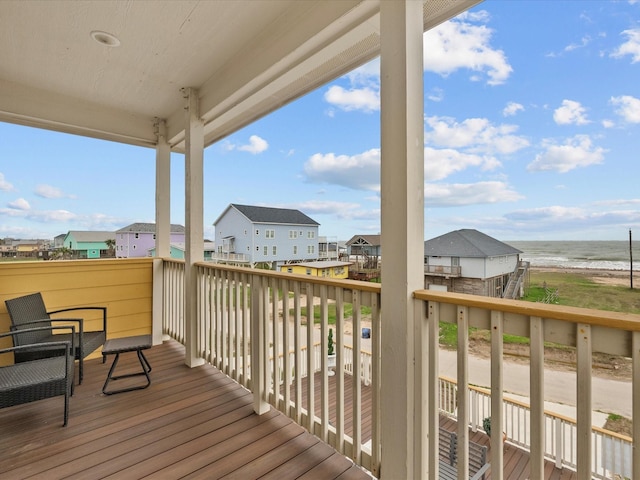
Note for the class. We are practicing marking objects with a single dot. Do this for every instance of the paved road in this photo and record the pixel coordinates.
(610, 396)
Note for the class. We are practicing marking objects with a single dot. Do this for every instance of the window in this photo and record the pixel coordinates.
(257, 248)
(257, 232)
(154, 236)
(295, 249)
(265, 251)
(270, 233)
(311, 234)
(311, 249)
(308, 271)
(289, 270)
(136, 235)
(134, 247)
(245, 233)
(275, 250)
(293, 234)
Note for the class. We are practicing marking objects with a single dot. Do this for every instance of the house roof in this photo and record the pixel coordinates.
(373, 240)
(320, 264)
(276, 216)
(90, 236)
(467, 243)
(148, 228)
(110, 69)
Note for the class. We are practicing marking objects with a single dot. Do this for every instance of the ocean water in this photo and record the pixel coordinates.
(609, 255)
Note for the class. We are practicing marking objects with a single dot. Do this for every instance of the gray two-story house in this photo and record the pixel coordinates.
(273, 236)
(469, 261)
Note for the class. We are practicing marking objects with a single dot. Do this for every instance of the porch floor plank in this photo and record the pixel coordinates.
(190, 422)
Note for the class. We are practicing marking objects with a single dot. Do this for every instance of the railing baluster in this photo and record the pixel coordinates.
(433, 388)
(286, 348)
(357, 375)
(311, 366)
(340, 354)
(536, 389)
(635, 470)
(584, 358)
(497, 389)
(297, 341)
(324, 377)
(463, 391)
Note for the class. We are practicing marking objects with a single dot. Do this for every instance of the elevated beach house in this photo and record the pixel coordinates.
(137, 239)
(87, 244)
(229, 360)
(267, 235)
(469, 261)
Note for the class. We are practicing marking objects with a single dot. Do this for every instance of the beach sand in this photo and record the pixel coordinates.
(605, 277)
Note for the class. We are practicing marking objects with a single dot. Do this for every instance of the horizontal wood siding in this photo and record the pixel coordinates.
(124, 286)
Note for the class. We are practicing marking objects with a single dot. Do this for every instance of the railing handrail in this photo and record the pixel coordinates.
(614, 320)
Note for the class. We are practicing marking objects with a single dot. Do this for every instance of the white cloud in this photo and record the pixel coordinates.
(4, 185)
(576, 152)
(584, 41)
(512, 108)
(628, 107)
(361, 172)
(606, 123)
(19, 204)
(256, 145)
(365, 99)
(459, 44)
(474, 134)
(630, 47)
(565, 218)
(435, 95)
(449, 195)
(48, 191)
(571, 112)
(440, 163)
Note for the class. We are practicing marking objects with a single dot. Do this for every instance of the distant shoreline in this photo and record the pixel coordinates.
(598, 275)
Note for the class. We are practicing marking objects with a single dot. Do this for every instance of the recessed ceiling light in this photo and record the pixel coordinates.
(104, 38)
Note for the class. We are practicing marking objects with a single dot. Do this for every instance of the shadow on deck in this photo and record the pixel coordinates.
(190, 423)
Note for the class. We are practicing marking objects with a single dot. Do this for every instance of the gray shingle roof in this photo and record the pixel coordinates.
(468, 243)
(88, 236)
(148, 228)
(373, 240)
(284, 216)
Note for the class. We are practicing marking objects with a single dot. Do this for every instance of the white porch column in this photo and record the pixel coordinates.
(194, 221)
(403, 398)
(163, 225)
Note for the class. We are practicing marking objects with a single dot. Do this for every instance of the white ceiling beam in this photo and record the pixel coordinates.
(42, 109)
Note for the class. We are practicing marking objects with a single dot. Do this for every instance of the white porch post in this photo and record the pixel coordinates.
(194, 221)
(402, 191)
(163, 225)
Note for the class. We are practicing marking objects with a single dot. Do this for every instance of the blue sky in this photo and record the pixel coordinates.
(532, 132)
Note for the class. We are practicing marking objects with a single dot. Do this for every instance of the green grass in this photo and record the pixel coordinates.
(579, 291)
(348, 312)
(572, 290)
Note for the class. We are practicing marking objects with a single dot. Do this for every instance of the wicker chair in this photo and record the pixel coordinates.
(30, 311)
(41, 378)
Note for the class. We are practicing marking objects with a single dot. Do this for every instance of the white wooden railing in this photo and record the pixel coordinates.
(238, 304)
(570, 444)
(245, 313)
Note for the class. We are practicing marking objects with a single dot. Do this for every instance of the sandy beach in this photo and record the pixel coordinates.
(605, 277)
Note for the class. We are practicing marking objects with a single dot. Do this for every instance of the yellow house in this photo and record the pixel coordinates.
(333, 269)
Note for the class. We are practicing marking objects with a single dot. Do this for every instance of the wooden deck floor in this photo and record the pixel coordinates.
(190, 423)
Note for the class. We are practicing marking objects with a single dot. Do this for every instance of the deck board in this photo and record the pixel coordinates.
(191, 422)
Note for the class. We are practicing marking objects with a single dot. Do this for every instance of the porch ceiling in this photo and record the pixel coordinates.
(246, 58)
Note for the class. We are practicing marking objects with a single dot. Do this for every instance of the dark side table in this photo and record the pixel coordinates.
(122, 345)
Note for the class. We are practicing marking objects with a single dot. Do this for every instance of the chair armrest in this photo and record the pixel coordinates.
(71, 309)
(35, 346)
(481, 472)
